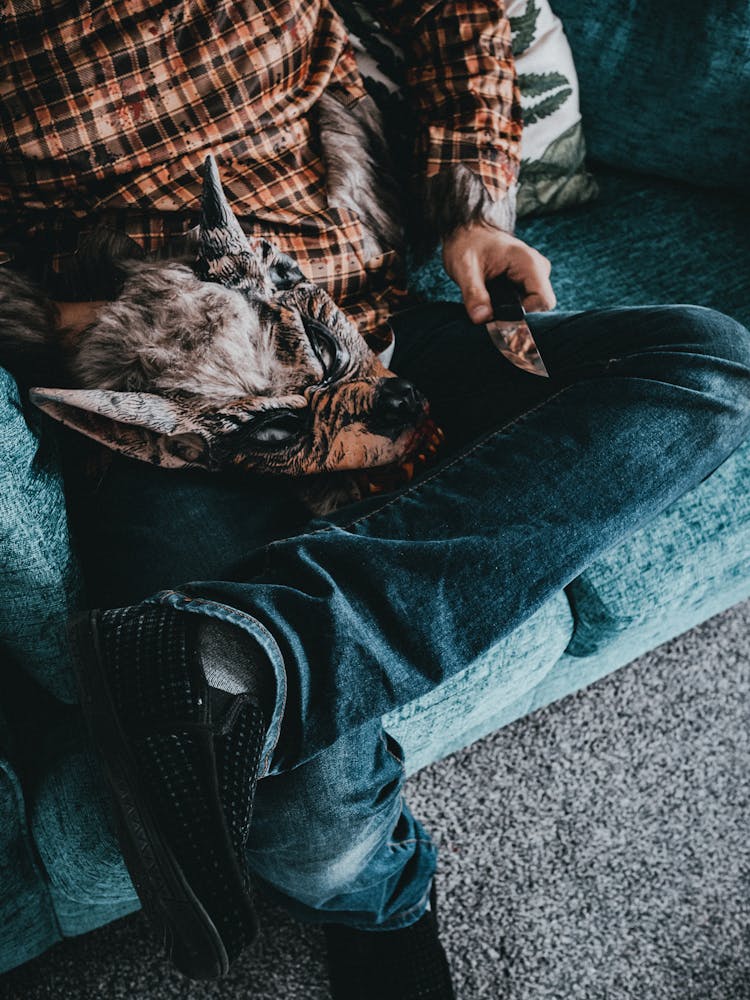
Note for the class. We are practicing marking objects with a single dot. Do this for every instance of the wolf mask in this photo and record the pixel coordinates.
(236, 361)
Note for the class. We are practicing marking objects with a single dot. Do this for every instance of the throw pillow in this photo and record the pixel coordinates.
(553, 150)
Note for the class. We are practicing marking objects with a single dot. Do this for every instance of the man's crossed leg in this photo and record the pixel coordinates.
(360, 612)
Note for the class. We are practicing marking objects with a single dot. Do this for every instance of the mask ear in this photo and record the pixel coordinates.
(280, 267)
(228, 256)
(140, 425)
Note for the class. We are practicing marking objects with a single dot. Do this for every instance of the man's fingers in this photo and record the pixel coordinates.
(531, 269)
(474, 253)
(468, 275)
(538, 303)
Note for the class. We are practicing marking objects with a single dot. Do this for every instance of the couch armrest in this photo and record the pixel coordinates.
(28, 925)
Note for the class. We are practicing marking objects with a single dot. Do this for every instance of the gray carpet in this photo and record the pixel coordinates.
(596, 850)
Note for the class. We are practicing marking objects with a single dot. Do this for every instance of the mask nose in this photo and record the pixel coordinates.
(397, 404)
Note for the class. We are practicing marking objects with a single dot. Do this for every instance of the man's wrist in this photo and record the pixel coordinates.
(71, 319)
(75, 316)
(455, 198)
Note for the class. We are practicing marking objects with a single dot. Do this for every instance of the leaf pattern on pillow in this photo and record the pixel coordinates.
(546, 107)
(523, 28)
(536, 84)
(544, 85)
(548, 181)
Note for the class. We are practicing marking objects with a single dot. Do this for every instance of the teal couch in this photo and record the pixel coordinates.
(646, 239)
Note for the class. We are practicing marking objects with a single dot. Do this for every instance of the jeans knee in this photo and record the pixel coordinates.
(713, 333)
(720, 347)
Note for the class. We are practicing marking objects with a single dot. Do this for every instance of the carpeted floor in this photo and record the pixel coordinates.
(597, 850)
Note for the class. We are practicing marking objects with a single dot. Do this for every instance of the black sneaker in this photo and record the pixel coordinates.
(181, 761)
(407, 964)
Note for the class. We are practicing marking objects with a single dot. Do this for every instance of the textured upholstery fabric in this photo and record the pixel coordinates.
(665, 85)
(643, 241)
(38, 583)
(468, 705)
(27, 920)
(73, 827)
(704, 539)
(76, 918)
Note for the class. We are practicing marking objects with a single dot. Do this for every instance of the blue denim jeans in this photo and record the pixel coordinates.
(365, 609)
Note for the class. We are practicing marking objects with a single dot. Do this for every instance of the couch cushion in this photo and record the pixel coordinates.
(27, 920)
(39, 586)
(689, 563)
(73, 827)
(474, 702)
(643, 241)
(665, 86)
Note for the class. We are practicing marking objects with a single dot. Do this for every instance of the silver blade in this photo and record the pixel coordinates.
(514, 340)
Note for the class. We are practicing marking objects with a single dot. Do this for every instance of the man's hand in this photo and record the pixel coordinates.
(72, 318)
(76, 316)
(474, 253)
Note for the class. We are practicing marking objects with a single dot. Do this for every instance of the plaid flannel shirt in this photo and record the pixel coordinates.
(108, 109)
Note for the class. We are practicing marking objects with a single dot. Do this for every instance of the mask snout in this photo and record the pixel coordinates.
(397, 405)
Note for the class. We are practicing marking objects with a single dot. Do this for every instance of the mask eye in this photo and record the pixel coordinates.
(331, 356)
(279, 428)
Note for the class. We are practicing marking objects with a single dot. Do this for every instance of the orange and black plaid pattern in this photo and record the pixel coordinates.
(108, 108)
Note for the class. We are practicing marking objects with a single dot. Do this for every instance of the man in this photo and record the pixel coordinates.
(277, 673)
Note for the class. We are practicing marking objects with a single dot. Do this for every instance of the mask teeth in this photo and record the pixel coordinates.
(220, 234)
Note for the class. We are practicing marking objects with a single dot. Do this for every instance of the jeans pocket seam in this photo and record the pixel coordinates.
(484, 439)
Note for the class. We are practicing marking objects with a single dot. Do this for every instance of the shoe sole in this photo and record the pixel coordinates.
(190, 937)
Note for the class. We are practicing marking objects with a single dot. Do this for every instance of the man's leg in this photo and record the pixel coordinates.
(138, 528)
(374, 605)
(334, 842)
(332, 839)
(461, 559)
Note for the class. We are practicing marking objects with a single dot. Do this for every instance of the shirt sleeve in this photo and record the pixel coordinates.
(462, 85)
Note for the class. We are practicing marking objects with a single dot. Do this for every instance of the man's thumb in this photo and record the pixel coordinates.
(475, 295)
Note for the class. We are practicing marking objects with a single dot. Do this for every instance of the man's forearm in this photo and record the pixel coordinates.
(457, 197)
(72, 318)
(463, 87)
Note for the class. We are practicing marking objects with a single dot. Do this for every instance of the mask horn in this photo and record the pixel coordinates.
(223, 248)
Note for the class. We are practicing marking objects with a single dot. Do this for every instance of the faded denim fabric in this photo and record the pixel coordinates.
(365, 610)
(376, 604)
